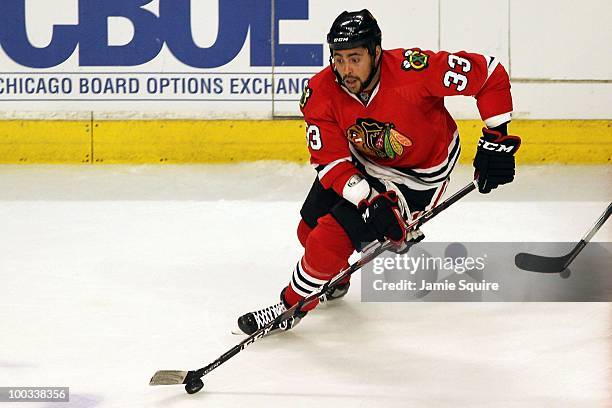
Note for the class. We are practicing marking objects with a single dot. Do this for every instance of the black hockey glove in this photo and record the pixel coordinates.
(382, 216)
(494, 161)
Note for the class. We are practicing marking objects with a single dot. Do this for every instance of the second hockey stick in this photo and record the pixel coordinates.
(556, 264)
(192, 379)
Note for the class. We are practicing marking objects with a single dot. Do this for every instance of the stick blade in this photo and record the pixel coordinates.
(168, 377)
(537, 263)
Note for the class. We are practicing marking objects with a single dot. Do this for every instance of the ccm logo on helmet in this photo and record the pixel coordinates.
(495, 147)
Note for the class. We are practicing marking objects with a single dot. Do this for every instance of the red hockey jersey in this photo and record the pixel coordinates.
(404, 133)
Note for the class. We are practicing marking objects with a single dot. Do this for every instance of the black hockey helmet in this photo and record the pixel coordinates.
(355, 29)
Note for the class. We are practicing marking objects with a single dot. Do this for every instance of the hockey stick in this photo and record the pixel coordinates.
(546, 264)
(192, 379)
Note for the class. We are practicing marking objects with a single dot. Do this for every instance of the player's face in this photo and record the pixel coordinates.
(354, 66)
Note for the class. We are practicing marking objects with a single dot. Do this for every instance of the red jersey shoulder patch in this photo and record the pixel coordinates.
(305, 96)
(415, 60)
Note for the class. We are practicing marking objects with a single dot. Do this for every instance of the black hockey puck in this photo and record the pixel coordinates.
(566, 273)
(194, 386)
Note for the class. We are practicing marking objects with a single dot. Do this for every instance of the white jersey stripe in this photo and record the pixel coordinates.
(497, 120)
(412, 177)
(331, 165)
(492, 63)
(432, 169)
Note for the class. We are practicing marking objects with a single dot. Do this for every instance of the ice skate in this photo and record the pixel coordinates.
(335, 293)
(250, 322)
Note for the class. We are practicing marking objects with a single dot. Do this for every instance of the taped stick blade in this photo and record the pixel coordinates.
(168, 377)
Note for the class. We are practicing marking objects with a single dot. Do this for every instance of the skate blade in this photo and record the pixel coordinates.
(238, 332)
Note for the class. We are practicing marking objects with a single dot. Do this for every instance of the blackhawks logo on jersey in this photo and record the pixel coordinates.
(415, 60)
(377, 139)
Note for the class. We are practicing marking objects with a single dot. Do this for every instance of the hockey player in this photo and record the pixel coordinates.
(384, 145)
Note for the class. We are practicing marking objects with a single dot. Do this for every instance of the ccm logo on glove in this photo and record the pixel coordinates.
(495, 147)
(494, 162)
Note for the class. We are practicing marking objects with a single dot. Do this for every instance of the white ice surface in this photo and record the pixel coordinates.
(111, 273)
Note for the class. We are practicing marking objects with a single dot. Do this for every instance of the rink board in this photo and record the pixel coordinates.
(230, 141)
